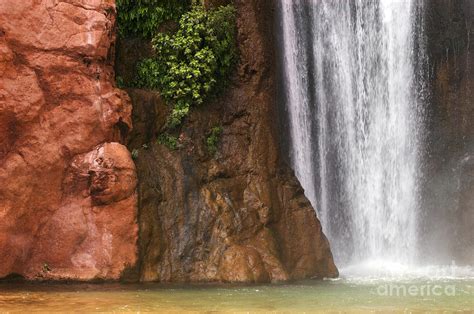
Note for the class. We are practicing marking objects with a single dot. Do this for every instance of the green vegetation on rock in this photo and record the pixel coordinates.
(194, 55)
(168, 140)
(194, 63)
(119, 81)
(213, 138)
(143, 17)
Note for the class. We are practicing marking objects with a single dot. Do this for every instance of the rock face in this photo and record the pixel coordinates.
(449, 172)
(67, 192)
(236, 216)
(68, 201)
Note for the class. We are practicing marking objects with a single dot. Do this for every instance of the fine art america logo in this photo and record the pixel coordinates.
(424, 290)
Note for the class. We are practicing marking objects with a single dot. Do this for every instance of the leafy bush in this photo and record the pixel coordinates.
(194, 63)
(169, 141)
(213, 138)
(144, 17)
(147, 74)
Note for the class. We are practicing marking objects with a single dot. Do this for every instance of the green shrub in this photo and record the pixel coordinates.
(144, 17)
(135, 153)
(213, 138)
(147, 74)
(194, 63)
(168, 140)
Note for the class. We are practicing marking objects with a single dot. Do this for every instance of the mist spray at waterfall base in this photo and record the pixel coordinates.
(353, 73)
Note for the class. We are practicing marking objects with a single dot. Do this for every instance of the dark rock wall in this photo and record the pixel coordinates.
(238, 216)
(449, 161)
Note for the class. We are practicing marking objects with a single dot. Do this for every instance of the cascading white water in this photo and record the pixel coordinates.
(354, 120)
(296, 75)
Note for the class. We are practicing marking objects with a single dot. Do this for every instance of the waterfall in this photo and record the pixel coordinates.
(355, 121)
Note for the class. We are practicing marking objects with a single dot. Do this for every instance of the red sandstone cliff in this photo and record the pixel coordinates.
(67, 187)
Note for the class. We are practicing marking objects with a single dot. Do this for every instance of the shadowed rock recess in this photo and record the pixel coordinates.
(449, 170)
(236, 216)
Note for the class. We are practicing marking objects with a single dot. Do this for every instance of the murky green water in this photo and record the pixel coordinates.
(308, 296)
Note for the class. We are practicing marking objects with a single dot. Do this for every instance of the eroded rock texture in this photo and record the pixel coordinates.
(67, 187)
(238, 216)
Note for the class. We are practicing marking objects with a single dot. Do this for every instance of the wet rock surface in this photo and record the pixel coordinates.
(235, 216)
(449, 132)
(67, 192)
